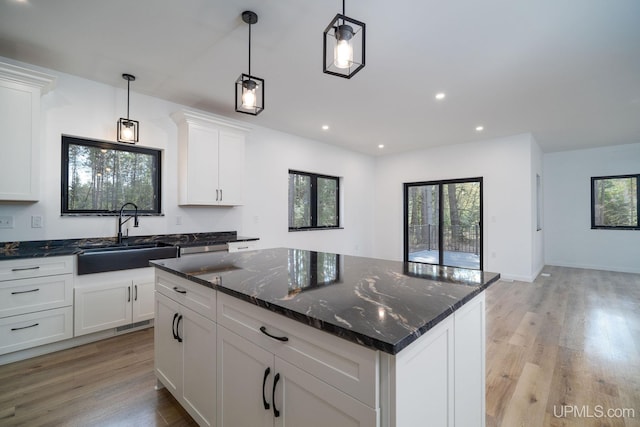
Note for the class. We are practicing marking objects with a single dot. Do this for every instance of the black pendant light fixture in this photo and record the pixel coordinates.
(249, 89)
(127, 128)
(343, 46)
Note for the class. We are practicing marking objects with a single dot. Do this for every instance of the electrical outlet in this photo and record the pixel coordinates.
(6, 222)
(178, 220)
(36, 221)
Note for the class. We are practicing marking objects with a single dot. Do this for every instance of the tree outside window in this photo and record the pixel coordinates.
(313, 201)
(614, 202)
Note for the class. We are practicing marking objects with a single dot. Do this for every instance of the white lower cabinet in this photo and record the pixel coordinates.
(109, 300)
(257, 388)
(36, 302)
(185, 357)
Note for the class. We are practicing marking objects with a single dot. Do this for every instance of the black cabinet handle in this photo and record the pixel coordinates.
(264, 331)
(173, 326)
(25, 292)
(25, 327)
(178, 329)
(264, 383)
(129, 289)
(178, 290)
(26, 268)
(135, 287)
(276, 413)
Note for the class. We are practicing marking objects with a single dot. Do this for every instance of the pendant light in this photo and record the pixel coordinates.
(127, 128)
(249, 89)
(343, 46)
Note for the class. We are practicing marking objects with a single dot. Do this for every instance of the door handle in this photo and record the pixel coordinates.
(173, 327)
(135, 287)
(178, 329)
(276, 413)
(129, 289)
(264, 383)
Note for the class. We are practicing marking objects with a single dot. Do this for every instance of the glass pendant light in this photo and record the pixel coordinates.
(344, 46)
(127, 128)
(249, 89)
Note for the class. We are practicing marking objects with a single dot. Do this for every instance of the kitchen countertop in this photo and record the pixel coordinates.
(48, 248)
(380, 304)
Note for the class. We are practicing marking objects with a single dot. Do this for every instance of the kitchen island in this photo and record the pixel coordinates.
(286, 336)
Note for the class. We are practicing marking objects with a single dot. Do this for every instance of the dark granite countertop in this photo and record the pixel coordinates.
(48, 248)
(380, 304)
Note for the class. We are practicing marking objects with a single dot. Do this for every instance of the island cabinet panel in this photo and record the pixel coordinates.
(198, 298)
(346, 366)
(257, 388)
(185, 352)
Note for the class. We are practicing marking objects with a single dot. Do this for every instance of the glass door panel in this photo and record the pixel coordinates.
(423, 218)
(461, 224)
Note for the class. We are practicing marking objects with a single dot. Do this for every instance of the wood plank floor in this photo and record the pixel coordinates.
(560, 351)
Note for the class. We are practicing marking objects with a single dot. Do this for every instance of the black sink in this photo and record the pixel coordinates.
(123, 257)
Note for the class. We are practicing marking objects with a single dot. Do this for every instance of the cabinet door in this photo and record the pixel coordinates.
(231, 168)
(143, 300)
(304, 400)
(102, 307)
(245, 382)
(201, 151)
(199, 357)
(167, 349)
(19, 163)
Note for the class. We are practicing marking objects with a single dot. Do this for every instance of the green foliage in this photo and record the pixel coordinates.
(103, 180)
(616, 202)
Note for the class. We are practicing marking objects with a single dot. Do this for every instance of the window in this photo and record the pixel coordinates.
(313, 201)
(98, 177)
(614, 202)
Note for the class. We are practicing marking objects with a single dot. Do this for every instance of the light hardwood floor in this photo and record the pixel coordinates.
(569, 342)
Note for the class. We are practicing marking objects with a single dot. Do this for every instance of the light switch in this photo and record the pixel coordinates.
(36, 221)
(6, 222)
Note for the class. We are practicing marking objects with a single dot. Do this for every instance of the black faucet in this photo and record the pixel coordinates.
(121, 222)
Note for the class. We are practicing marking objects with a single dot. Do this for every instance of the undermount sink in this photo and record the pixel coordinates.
(123, 257)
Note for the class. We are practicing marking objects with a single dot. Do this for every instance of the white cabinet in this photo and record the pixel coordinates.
(242, 246)
(36, 298)
(257, 388)
(112, 299)
(20, 91)
(185, 347)
(210, 159)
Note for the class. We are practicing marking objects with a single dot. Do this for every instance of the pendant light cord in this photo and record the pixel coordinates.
(128, 87)
(249, 51)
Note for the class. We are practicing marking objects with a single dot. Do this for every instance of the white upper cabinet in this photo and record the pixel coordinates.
(210, 159)
(20, 92)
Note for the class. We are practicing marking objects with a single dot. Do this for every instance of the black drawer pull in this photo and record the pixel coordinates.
(173, 326)
(264, 331)
(264, 383)
(25, 292)
(26, 268)
(25, 327)
(276, 413)
(178, 329)
(178, 290)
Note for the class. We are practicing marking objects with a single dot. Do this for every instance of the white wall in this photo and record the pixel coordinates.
(270, 155)
(89, 109)
(569, 239)
(506, 168)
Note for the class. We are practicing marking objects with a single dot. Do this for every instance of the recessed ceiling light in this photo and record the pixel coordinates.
(479, 128)
(440, 96)
(325, 127)
(380, 145)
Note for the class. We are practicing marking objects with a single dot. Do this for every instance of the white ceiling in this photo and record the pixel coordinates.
(568, 71)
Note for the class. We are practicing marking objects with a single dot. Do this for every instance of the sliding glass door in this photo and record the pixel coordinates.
(443, 222)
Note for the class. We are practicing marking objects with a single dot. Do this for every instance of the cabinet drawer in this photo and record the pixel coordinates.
(34, 329)
(37, 294)
(349, 367)
(198, 298)
(35, 267)
(241, 246)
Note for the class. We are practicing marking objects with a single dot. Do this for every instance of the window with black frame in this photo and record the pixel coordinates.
(98, 177)
(615, 202)
(314, 201)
